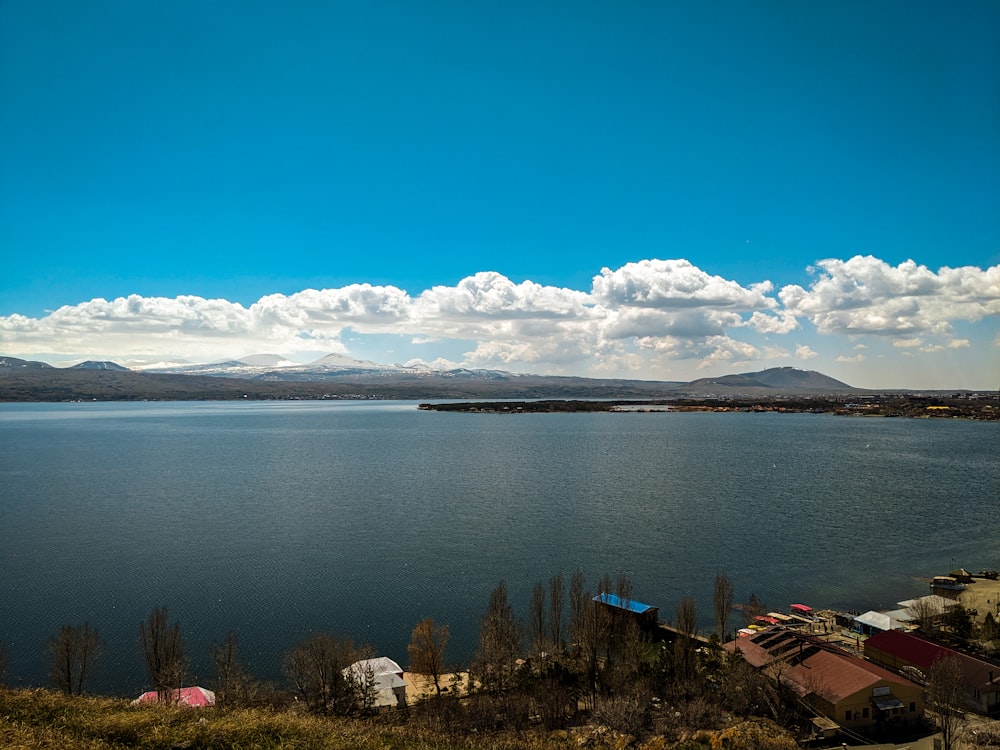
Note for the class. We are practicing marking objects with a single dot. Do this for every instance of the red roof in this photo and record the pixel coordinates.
(768, 620)
(922, 654)
(801, 608)
(813, 665)
(916, 651)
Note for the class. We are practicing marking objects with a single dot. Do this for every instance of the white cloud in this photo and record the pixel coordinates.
(768, 323)
(645, 319)
(492, 296)
(855, 358)
(436, 364)
(676, 284)
(865, 295)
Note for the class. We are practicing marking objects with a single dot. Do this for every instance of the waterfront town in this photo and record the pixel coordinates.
(924, 675)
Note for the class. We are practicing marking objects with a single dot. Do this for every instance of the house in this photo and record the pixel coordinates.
(856, 694)
(195, 697)
(914, 655)
(385, 678)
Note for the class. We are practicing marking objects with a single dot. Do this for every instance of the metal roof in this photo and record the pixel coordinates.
(631, 605)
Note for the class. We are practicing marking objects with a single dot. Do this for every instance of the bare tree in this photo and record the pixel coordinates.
(163, 650)
(945, 693)
(233, 684)
(537, 631)
(73, 653)
(925, 612)
(626, 639)
(624, 588)
(556, 612)
(741, 685)
(500, 636)
(753, 608)
(364, 684)
(426, 649)
(989, 634)
(722, 598)
(578, 601)
(592, 640)
(318, 670)
(684, 645)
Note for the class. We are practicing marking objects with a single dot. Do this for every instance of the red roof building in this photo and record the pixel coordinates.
(854, 693)
(909, 653)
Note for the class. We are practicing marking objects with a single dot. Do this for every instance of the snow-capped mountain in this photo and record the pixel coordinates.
(268, 360)
(274, 368)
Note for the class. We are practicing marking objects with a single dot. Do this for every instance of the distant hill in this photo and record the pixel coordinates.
(13, 363)
(781, 379)
(92, 365)
(336, 376)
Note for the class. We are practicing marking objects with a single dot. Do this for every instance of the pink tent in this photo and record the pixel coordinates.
(189, 696)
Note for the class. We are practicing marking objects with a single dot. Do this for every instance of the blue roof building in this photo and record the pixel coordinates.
(631, 605)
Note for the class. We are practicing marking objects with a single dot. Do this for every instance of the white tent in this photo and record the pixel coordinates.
(877, 621)
(386, 678)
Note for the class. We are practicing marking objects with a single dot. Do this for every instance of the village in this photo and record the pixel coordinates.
(866, 678)
(921, 676)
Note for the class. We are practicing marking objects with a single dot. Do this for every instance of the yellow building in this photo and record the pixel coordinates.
(854, 693)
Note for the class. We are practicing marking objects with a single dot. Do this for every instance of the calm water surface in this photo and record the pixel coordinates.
(360, 518)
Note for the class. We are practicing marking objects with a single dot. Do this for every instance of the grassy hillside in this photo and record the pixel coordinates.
(45, 719)
(31, 719)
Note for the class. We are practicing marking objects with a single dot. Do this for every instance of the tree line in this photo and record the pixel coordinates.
(572, 656)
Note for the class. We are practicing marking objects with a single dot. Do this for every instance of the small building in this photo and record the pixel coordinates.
(914, 655)
(928, 603)
(385, 677)
(856, 694)
(195, 697)
(646, 615)
(872, 622)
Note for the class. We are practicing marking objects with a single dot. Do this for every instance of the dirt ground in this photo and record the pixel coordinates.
(982, 595)
(419, 686)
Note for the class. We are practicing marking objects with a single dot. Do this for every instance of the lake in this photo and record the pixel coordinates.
(277, 519)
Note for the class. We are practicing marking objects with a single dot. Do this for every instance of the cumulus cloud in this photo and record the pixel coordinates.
(645, 316)
(804, 352)
(865, 295)
(378, 308)
(493, 296)
(784, 322)
(676, 284)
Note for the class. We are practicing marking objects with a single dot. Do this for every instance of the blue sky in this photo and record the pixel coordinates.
(649, 189)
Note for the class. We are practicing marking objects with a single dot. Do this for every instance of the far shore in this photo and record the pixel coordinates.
(987, 409)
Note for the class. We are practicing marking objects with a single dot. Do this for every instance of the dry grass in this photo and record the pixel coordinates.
(31, 719)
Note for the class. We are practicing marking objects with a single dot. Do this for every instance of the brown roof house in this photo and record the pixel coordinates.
(914, 655)
(856, 694)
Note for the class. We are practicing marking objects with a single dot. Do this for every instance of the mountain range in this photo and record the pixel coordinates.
(335, 376)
